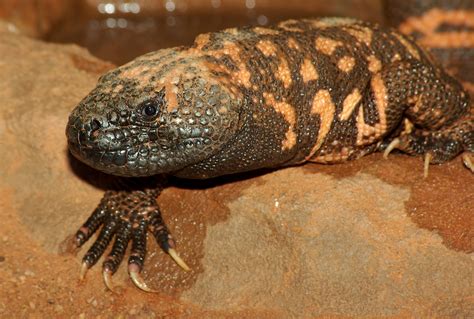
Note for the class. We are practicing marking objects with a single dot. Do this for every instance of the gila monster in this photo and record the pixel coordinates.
(325, 90)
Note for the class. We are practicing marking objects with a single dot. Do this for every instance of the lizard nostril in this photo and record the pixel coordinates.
(95, 125)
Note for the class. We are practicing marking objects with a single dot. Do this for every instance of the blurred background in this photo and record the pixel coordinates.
(119, 30)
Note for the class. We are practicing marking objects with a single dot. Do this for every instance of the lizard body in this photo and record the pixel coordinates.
(326, 90)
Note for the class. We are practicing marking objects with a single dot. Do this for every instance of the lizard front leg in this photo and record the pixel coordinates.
(127, 215)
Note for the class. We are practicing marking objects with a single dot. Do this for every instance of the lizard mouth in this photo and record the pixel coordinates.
(107, 151)
(132, 150)
(125, 151)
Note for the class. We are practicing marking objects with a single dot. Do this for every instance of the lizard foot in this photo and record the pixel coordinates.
(127, 215)
(397, 143)
(436, 147)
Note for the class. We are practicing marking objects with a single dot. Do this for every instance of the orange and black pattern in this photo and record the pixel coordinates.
(326, 90)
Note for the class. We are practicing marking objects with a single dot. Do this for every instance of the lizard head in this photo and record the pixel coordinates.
(156, 114)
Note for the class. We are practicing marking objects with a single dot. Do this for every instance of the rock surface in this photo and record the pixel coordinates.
(322, 245)
(366, 238)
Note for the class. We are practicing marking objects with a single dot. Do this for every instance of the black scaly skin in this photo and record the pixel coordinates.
(128, 215)
(326, 90)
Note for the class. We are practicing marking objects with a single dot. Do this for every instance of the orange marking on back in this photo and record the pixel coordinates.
(267, 47)
(293, 44)
(137, 73)
(118, 88)
(362, 34)
(284, 73)
(375, 65)
(408, 46)
(286, 25)
(289, 115)
(308, 71)
(265, 31)
(171, 92)
(346, 63)
(327, 45)
(324, 107)
(330, 22)
(447, 40)
(367, 134)
(242, 76)
(432, 19)
(233, 31)
(349, 104)
(201, 40)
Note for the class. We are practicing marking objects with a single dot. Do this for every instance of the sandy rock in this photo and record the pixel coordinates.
(40, 85)
(323, 246)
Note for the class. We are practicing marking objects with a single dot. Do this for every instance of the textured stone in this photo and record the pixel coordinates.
(321, 246)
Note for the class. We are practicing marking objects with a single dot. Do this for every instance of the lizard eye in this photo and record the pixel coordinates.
(149, 109)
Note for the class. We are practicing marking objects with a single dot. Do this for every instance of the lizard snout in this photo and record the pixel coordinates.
(89, 131)
(85, 132)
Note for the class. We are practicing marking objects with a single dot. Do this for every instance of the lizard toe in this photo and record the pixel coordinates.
(124, 217)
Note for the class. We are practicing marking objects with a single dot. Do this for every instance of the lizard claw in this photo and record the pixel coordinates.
(137, 279)
(466, 158)
(84, 269)
(173, 254)
(107, 275)
(393, 145)
(426, 164)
